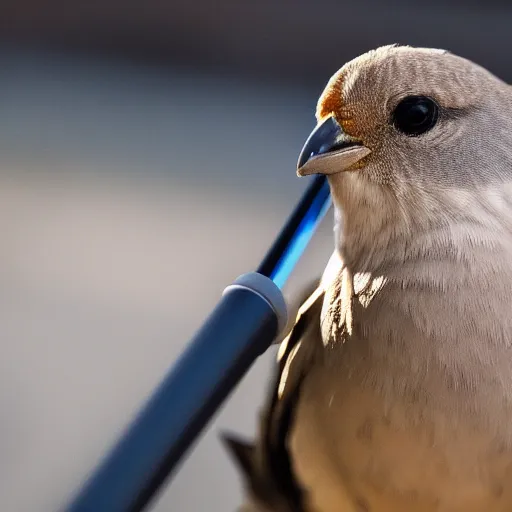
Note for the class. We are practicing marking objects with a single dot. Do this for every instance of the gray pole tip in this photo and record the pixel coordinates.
(268, 291)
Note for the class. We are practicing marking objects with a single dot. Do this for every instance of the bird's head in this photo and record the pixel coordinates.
(407, 136)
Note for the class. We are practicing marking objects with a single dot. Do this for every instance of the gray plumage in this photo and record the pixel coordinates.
(396, 381)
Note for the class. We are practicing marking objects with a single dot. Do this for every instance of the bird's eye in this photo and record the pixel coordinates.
(415, 115)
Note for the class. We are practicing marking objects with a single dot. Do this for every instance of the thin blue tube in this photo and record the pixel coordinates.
(302, 236)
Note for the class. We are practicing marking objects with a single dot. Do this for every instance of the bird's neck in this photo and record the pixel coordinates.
(366, 226)
(374, 233)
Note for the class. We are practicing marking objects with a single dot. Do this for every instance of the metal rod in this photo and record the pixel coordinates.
(293, 239)
(242, 326)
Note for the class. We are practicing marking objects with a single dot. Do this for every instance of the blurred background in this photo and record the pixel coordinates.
(147, 158)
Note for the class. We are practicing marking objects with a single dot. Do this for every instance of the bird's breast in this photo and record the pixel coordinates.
(354, 449)
(411, 405)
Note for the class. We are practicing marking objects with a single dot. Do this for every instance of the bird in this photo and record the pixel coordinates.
(393, 390)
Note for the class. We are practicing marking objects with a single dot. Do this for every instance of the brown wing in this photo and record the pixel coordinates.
(266, 464)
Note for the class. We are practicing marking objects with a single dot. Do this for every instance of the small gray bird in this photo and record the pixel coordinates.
(394, 388)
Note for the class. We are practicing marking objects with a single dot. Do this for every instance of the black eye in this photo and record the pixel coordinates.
(415, 115)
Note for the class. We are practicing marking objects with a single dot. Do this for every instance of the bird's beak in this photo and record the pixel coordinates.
(329, 150)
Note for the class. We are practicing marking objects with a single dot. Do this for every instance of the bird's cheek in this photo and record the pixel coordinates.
(352, 127)
(377, 168)
(361, 164)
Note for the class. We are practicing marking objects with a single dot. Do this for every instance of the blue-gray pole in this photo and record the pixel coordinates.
(247, 319)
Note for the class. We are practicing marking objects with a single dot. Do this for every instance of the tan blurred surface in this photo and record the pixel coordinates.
(130, 196)
(128, 200)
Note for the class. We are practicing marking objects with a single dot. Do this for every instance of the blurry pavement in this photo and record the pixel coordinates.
(128, 199)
